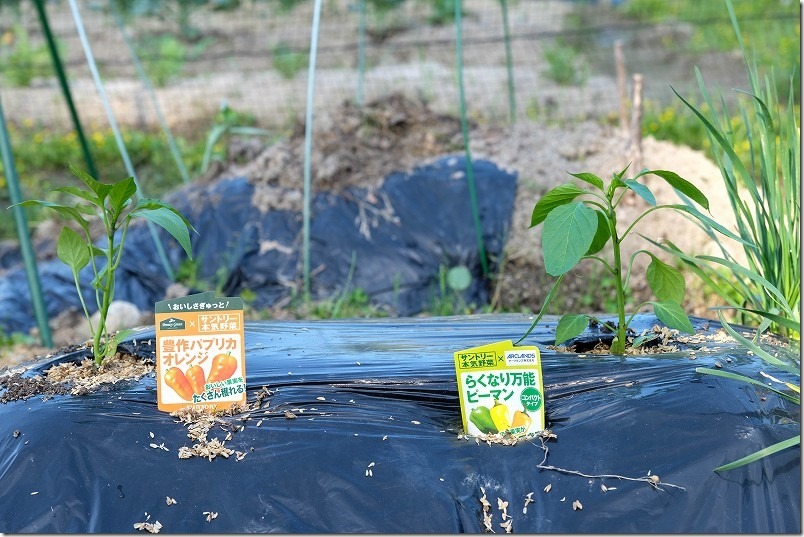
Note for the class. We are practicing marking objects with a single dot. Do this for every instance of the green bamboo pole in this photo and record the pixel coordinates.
(509, 63)
(65, 87)
(470, 176)
(149, 89)
(361, 51)
(308, 143)
(28, 257)
(121, 146)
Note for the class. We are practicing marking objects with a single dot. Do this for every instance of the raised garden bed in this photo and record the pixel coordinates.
(354, 426)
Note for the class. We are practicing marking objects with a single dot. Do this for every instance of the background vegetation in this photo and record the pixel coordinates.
(176, 48)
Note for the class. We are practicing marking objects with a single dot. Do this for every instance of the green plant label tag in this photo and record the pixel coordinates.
(200, 354)
(501, 390)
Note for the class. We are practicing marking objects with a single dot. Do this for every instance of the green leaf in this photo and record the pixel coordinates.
(560, 195)
(786, 322)
(459, 278)
(619, 176)
(742, 378)
(72, 249)
(705, 219)
(171, 221)
(590, 178)
(88, 210)
(680, 184)
(666, 282)
(602, 234)
(100, 189)
(770, 450)
(99, 281)
(548, 299)
(121, 193)
(97, 252)
(79, 193)
(568, 233)
(150, 203)
(756, 349)
(641, 190)
(645, 338)
(753, 276)
(617, 346)
(67, 212)
(673, 316)
(616, 182)
(570, 326)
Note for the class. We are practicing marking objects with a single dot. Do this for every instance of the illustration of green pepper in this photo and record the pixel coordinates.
(499, 413)
(481, 417)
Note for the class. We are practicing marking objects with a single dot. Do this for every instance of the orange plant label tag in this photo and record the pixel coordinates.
(501, 390)
(200, 352)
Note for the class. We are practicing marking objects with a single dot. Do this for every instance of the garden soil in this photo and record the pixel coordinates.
(361, 148)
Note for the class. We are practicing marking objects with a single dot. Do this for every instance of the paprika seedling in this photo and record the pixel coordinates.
(114, 204)
(580, 222)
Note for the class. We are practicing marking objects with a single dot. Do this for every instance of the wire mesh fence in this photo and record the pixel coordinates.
(253, 56)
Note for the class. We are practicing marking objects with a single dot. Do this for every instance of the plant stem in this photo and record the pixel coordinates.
(618, 284)
(105, 287)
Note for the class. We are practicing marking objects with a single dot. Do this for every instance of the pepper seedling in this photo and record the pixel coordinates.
(580, 222)
(114, 205)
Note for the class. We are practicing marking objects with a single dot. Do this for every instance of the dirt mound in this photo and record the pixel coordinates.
(351, 147)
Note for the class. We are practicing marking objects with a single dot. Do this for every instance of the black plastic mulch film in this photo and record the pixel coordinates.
(401, 234)
(381, 395)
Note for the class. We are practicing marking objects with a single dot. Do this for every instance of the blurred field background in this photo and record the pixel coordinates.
(249, 59)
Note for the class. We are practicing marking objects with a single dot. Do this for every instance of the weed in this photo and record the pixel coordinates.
(565, 65)
(227, 122)
(20, 61)
(287, 61)
(164, 58)
(441, 11)
(15, 338)
(449, 298)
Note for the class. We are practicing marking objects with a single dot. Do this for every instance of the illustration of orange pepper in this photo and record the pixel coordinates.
(223, 367)
(196, 377)
(175, 379)
(521, 418)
